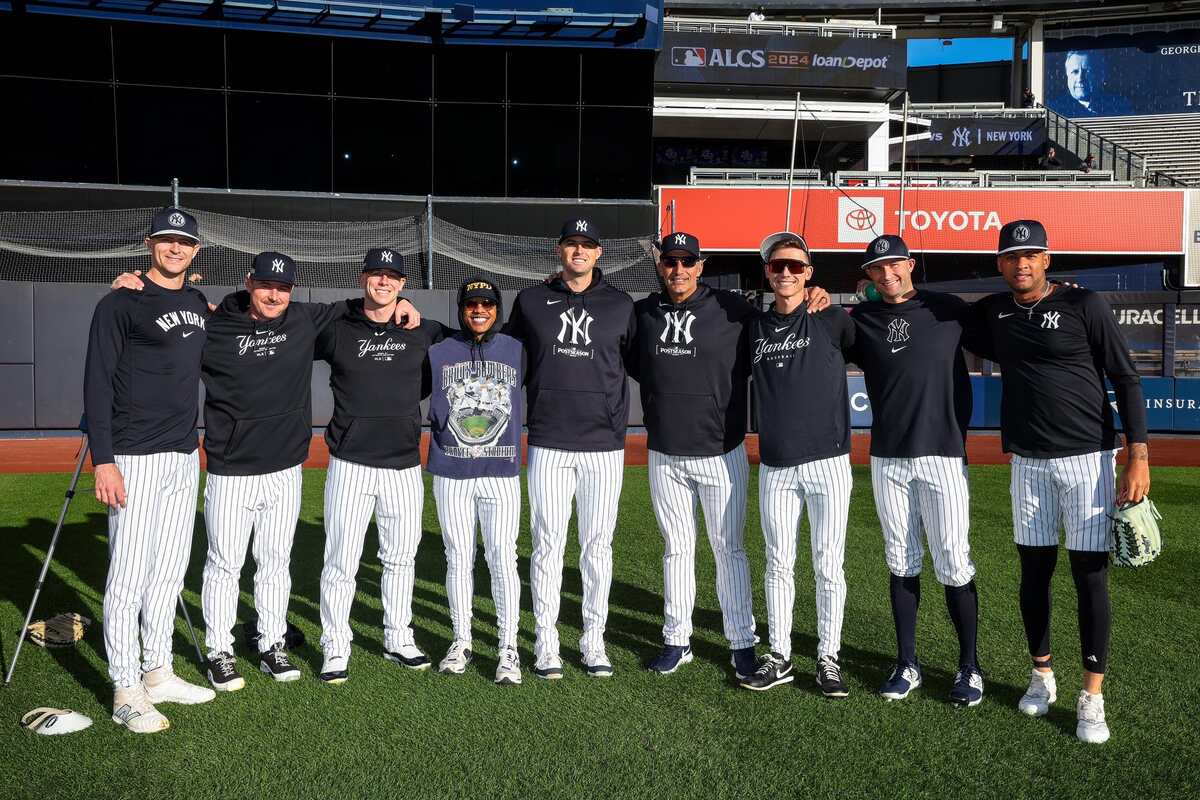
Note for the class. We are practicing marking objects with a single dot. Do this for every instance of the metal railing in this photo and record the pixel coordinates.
(852, 29)
(1126, 165)
(978, 178)
(721, 176)
(981, 110)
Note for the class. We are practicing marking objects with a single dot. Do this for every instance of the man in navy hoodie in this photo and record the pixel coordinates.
(691, 359)
(475, 458)
(578, 331)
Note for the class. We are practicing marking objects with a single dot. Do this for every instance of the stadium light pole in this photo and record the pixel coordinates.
(787, 220)
(175, 192)
(903, 160)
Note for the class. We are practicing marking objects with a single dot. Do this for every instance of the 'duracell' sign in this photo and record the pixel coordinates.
(753, 59)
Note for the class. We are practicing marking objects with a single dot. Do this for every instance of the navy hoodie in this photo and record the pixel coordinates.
(692, 365)
(577, 344)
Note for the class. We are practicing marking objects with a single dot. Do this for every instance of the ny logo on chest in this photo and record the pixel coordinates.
(678, 329)
(1050, 319)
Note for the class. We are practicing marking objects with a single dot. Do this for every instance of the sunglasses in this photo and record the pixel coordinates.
(479, 304)
(794, 266)
(687, 261)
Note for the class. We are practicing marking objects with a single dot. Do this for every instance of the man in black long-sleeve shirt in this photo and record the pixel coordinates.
(143, 362)
(1056, 345)
(804, 445)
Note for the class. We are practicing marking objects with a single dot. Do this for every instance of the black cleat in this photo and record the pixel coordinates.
(773, 670)
(275, 662)
(829, 677)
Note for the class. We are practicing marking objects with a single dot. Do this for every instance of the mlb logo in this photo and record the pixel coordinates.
(860, 219)
(689, 56)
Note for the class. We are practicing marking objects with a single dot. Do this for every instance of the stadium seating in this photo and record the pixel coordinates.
(1170, 143)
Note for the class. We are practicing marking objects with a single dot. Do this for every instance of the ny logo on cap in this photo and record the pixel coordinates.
(882, 246)
(680, 238)
(277, 265)
(1021, 233)
(386, 256)
(176, 219)
(581, 225)
(898, 330)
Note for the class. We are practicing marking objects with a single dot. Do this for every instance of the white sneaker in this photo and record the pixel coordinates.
(457, 658)
(164, 686)
(1089, 710)
(508, 671)
(133, 709)
(335, 669)
(549, 667)
(1042, 691)
(597, 664)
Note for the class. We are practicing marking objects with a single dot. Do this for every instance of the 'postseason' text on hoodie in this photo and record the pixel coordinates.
(257, 379)
(577, 343)
(692, 366)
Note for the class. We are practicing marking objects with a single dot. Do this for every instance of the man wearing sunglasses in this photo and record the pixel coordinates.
(376, 368)
(804, 445)
(691, 361)
(909, 346)
(577, 331)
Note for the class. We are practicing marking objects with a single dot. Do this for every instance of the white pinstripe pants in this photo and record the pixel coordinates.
(719, 483)
(783, 492)
(353, 492)
(235, 505)
(496, 503)
(149, 542)
(1078, 490)
(930, 493)
(594, 481)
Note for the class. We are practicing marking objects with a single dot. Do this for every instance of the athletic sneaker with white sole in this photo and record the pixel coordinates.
(829, 678)
(223, 672)
(457, 658)
(549, 668)
(773, 670)
(276, 663)
(508, 671)
(597, 665)
(902, 680)
(1089, 711)
(968, 687)
(164, 686)
(671, 658)
(409, 656)
(335, 669)
(1042, 692)
(133, 709)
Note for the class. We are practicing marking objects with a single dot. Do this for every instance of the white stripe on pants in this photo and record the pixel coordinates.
(928, 492)
(783, 492)
(353, 492)
(594, 481)
(233, 506)
(149, 542)
(1078, 490)
(496, 503)
(719, 482)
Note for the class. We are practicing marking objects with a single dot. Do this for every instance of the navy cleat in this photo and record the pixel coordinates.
(672, 657)
(744, 662)
(968, 687)
(902, 680)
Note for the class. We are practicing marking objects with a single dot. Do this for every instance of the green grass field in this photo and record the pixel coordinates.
(389, 732)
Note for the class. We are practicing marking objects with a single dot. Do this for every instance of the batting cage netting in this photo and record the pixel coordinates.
(96, 246)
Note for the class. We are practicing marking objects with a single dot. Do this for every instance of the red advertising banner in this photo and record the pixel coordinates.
(936, 220)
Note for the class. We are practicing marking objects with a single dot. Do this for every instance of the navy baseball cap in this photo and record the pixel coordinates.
(272, 266)
(580, 226)
(1022, 234)
(172, 221)
(680, 242)
(776, 239)
(885, 248)
(383, 258)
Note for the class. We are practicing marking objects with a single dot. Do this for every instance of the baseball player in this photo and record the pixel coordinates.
(374, 436)
(1056, 345)
(909, 345)
(143, 364)
(578, 330)
(257, 371)
(804, 445)
(475, 457)
(691, 362)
